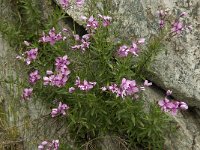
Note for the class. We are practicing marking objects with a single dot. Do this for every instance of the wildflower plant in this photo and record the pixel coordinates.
(97, 82)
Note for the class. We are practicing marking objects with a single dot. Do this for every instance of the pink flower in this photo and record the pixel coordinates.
(147, 83)
(103, 88)
(27, 92)
(113, 88)
(61, 63)
(86, 37)
(161, 23)
(64, 3)
(84, 42)
(85, 86)
(92, 23)
(80, 3)
(34, 77)
(164, 104)
(71, 89)
(59, 80)
(134, 49)
(62, 73)
(183, 105)
(183, 14)
(76, 37)
(78, 81)
(172, 106)
(168, 92)
(177, 27)
(141, 41)
(31, 55)
(52, 38)
(53, 145)
(54, 112)
(106, 20)
(128, 87)
(123, 51)
(61, 110)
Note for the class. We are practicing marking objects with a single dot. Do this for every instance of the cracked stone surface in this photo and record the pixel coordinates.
(176, 68)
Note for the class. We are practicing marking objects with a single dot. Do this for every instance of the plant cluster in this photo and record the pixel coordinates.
(94, 80)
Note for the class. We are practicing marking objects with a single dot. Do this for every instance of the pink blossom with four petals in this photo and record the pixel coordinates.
(34, 77)
(85, 85)
(27, 92)
(52, 38)
(31, 55)
(60, 110)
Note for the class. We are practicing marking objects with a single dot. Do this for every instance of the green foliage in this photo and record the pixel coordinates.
(95, 113)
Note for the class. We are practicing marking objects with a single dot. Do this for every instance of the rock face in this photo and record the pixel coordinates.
(177, 68)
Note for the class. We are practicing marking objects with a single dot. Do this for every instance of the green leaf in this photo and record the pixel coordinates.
(133, 120)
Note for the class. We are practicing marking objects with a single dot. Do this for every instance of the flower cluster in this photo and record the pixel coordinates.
(177, 26)
(65, 3)
(93, 24)
(84, 86)
(27, 92)
(162, 15)
(127, 88)
(84, 42)
(29, 56)
(34, 77)
(171, 106)
(106, 20)
(133, 49)
(62, 71)
(52, 38)
(61, 110)
(45, 145)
